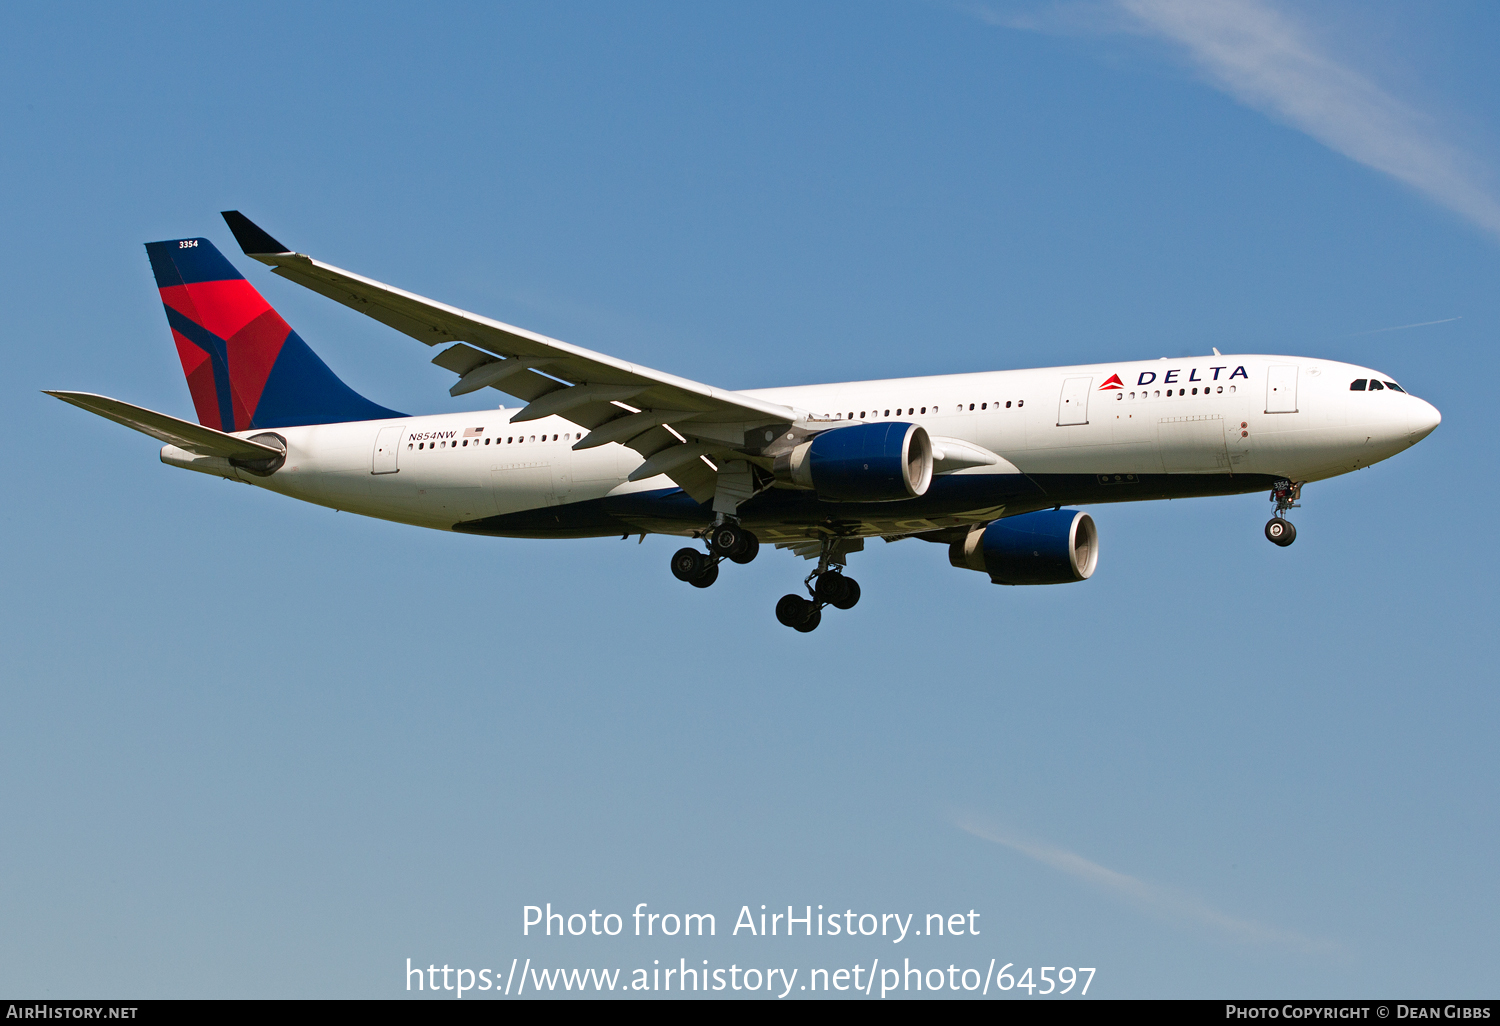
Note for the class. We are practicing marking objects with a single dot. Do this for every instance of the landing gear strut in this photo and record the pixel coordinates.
(726, 540)
(1279, 530)
(827, 585)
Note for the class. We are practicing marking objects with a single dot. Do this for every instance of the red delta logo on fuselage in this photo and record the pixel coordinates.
(1170, 377)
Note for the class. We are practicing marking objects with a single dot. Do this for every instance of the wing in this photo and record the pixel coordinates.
(205, 441)
(675, 423)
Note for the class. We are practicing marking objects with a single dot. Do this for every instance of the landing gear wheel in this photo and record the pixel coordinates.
(749, 550)
(837, 590)
(688, 564)
(850, 598)
(707, 577)
(1280, 532)
(726, 540)
(798, 613)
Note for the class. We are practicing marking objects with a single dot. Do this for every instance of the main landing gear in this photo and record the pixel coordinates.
(726, 540)
(1279, 530)
(828, 587)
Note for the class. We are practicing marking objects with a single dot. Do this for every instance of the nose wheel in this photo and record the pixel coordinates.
(1279, 530)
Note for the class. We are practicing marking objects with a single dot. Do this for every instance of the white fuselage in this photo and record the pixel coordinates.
(1242, 416)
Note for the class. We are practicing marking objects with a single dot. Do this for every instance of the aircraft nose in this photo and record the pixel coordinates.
(1424, 420)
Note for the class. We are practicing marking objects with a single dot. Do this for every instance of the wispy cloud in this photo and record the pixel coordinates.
(1267, 60)
(1154, 898)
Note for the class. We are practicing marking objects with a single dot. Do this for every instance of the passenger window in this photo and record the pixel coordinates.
(1358, 385)
(1376, 386)
(924, 409)
(984, 406)
(1007, 405)
(1020, 403)
(1394, 387)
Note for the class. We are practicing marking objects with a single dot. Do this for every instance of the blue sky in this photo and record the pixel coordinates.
(256, 748)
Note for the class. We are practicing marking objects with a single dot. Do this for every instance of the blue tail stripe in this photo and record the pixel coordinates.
(218, 355)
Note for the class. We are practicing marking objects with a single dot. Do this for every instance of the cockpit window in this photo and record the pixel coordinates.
(1394, 387)
(1358, 385)
(1376, 386)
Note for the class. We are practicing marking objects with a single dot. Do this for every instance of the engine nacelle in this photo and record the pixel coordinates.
(862, 463)
(1053, 546)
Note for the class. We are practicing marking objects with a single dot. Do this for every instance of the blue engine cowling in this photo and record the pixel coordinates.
(862, 463)
(1053, 546)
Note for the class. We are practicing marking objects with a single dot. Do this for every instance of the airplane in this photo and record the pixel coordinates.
(987, 464)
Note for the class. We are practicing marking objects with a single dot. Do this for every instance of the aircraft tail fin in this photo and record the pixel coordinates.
(245, 366)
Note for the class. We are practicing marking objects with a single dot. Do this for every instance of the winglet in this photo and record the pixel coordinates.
(253, 239)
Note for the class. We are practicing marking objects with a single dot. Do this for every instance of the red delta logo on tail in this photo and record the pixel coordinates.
(1113, 382)
(245, 366)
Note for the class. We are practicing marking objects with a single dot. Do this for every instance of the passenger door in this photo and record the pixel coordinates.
(1281, 390)
(1073, 404)
(387, 450)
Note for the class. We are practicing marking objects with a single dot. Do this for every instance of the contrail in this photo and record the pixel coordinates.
(1161, 901)
(1268, 60)
(1400, 327)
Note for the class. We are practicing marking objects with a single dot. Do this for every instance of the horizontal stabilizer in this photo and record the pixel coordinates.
(205, 441)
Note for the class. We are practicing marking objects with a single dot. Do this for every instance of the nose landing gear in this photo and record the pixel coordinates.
(1279, 530)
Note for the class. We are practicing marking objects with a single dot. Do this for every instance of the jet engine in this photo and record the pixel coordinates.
(862, 463)
(1053, 546)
